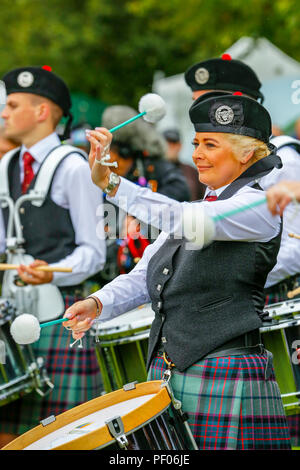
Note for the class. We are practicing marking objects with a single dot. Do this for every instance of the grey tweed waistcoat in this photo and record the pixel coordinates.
(204, 298)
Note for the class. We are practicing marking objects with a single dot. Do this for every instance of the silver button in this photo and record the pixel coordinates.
(158, 287)
(164, 339)
(165, 271)
(159, 304)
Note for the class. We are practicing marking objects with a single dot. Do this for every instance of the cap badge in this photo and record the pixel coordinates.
(224, 115)
(25, 79)
(202, 76)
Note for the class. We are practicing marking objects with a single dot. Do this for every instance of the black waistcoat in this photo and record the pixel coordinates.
(47, 230)
(204, 298)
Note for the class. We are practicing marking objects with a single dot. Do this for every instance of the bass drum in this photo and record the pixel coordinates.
(138, 417)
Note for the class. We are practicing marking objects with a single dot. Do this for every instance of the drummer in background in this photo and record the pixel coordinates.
(231, 75)
(208, 329)
(5, 145)
(172, 137)
(139, 150)
(66, 223)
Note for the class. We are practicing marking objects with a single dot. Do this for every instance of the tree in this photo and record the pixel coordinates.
(110, 50)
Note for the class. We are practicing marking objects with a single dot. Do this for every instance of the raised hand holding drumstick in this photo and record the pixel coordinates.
(152, 108)
(100, 140)
(280, 195)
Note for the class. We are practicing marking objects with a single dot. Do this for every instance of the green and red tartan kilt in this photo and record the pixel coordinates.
(230, 403)
(293, 420)
(73, 371)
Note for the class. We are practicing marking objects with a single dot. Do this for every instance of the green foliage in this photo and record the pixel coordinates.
(110, 49)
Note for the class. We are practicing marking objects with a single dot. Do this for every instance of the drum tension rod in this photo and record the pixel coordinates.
(130, 386)
(116, 429)
(48, 420)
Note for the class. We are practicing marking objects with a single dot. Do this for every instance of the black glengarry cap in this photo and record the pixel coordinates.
(231, 114)
(40, 81)
(225, 74)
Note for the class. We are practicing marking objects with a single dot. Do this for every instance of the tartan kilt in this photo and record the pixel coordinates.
(229, 402)
(293, 420)
(73, 371)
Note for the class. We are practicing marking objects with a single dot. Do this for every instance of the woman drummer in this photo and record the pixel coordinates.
(208, 302)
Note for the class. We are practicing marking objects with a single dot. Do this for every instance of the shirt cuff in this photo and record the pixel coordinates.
(106, 299)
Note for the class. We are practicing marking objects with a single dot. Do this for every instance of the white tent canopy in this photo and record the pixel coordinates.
(277, 71)
(264, 58)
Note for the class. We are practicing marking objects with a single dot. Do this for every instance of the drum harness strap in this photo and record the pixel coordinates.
(176, 403)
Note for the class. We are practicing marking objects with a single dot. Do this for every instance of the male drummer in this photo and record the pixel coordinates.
(61, 232)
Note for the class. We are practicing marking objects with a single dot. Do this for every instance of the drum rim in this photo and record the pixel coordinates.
(99, 329)
(101, 437)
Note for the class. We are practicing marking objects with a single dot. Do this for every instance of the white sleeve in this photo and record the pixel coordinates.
(256, 224)
(128, 291)
(144, 204)
(290, 167)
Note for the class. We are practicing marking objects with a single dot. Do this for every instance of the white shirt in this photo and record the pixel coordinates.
(72, 189)
(288, 259)
(130, 290)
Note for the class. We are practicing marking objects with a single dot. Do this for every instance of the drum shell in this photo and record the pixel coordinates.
(122, 351)
(280, 337)
(152, 425)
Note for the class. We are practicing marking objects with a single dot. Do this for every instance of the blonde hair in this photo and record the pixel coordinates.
(242, 145)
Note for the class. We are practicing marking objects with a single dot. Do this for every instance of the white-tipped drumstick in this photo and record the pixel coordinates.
(151, 107)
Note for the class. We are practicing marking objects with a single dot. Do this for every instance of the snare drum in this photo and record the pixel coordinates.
(20, 371)
(281, 336)
(138, 417)
(122, 347)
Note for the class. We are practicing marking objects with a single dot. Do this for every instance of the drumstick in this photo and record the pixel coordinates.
(225, 215)
(4, 267)
(294, 292)
(53, 322)
(293, 235)
(151, 106)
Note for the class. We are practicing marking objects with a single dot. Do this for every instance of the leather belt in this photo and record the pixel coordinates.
(248, 343)
(257, 349)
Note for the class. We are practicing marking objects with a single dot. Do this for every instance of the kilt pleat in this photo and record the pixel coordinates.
(230, 403)
(73, 371)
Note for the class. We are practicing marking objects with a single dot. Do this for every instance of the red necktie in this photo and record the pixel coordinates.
(211, 198)
(28, 171)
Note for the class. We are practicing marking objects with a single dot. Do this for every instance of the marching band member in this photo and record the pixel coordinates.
(61, 232)
(208, 302)
(233, 75)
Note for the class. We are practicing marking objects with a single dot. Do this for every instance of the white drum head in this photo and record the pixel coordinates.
(87, 424)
